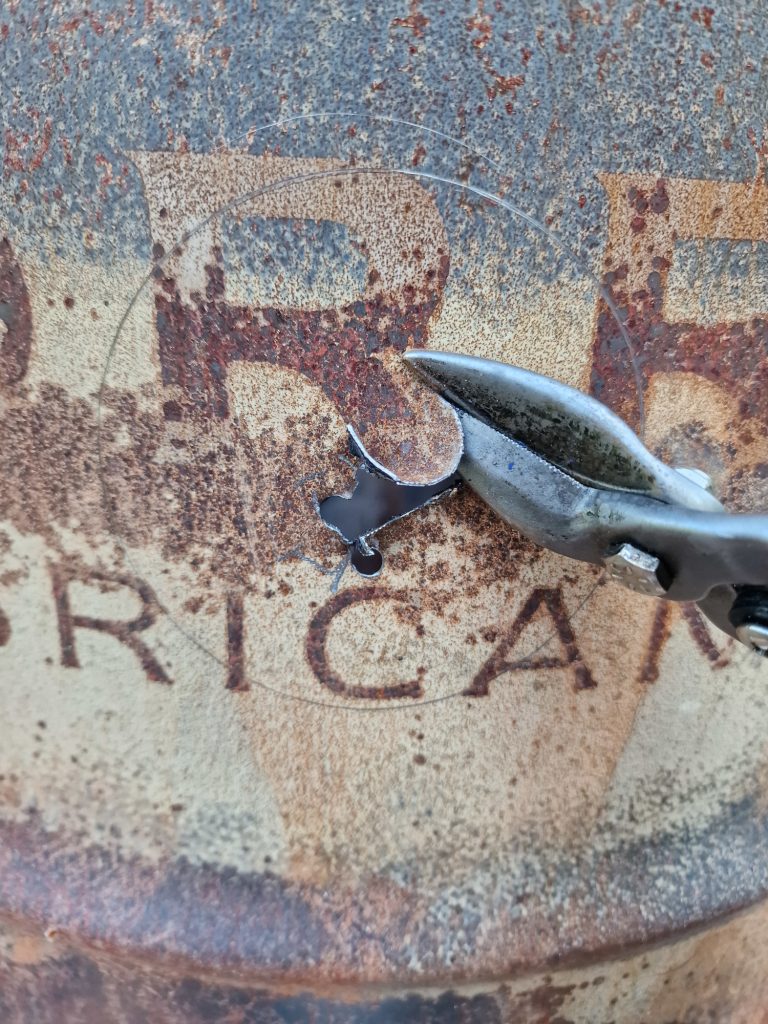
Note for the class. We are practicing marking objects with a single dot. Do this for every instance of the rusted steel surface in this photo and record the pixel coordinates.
(712, 976)
(236, 782)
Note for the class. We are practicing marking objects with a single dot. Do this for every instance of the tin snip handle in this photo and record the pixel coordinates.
(572, 476)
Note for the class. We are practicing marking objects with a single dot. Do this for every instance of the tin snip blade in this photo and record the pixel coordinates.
(573, 477)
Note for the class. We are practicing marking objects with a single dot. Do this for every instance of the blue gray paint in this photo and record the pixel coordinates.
(621, 87)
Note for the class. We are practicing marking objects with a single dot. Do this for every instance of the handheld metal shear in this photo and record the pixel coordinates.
(571, 475)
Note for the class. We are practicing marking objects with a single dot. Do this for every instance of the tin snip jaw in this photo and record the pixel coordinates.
(573, 477)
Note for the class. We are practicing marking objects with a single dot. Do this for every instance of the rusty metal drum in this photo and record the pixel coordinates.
(239, 782)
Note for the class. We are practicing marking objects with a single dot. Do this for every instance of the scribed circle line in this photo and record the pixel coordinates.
(266, 190)
(534, 222)
(384, 118)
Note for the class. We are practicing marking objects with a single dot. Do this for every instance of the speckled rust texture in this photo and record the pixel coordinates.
(238, 783)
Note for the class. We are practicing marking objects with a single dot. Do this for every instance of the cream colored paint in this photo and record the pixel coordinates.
(547, 329)
(71, 345)
(388, 213)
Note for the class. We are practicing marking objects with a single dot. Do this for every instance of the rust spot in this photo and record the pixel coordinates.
(415, 21)
(704, 16)
(418, 155)
(334, 348)
(659, 198)
(480, 25)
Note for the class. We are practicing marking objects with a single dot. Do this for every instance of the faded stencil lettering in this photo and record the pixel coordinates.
(229, 484)
(125, 631)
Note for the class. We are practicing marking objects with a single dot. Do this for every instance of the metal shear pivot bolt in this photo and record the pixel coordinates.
(638, 570)
(572, 476)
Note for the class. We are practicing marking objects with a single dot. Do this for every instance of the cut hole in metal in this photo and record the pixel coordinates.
(377, 499)
(366, 563)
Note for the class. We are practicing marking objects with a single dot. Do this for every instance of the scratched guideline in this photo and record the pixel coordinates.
(283, 292)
